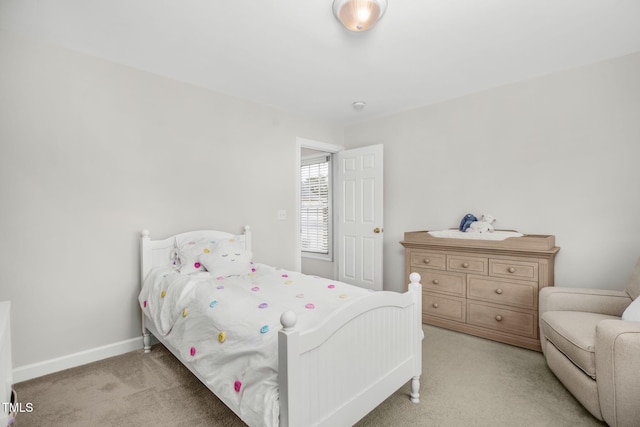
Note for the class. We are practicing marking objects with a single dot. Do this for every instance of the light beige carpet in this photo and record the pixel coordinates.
(466, 381)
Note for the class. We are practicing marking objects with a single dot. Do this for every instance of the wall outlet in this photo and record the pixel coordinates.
(282, 215)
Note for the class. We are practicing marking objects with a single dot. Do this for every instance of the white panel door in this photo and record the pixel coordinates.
(359, 195)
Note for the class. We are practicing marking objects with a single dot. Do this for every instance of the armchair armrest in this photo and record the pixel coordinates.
(618, 363)
(610, 302)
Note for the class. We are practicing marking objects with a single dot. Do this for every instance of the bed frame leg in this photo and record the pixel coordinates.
(415, 389)
(146, 339)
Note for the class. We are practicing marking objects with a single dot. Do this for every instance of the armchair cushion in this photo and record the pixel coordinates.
(633, 285)
(632, 313)
(574, 334)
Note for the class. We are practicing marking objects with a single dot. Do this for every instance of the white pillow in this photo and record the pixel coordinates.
(189, 252)
(227, 260)
(236, 242)
(632, 312)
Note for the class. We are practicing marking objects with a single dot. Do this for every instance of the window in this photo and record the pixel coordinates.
(315, 207)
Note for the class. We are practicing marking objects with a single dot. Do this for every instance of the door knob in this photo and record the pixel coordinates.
(377, 230)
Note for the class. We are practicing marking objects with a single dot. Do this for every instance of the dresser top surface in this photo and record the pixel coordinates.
(527, 243)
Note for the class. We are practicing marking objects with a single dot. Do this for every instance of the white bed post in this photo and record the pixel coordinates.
(416, 288)
(287, 360)
(146, 256)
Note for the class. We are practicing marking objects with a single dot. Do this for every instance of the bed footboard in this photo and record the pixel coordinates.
(337, 373)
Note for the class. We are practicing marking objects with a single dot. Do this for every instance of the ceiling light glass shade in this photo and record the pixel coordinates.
(359, 15)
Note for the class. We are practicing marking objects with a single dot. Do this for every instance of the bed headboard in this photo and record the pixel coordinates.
(157, 253)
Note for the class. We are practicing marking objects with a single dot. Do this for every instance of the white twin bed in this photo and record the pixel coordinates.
(277, 347)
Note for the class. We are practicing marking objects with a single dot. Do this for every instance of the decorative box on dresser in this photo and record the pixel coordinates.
(487, 288)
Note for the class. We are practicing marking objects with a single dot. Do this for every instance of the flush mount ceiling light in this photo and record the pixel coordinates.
(359, 15)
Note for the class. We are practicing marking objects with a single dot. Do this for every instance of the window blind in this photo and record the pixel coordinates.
(315, 204)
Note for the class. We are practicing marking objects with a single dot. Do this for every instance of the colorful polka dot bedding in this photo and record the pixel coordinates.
(227, 324)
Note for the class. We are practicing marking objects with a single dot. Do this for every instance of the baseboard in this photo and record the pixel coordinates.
(27, 372)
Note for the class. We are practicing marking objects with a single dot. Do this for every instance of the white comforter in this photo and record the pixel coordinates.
(227, 328)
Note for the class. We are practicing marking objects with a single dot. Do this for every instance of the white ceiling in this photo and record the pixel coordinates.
(294, 55)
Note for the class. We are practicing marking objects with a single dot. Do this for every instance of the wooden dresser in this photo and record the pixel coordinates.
(486, 288)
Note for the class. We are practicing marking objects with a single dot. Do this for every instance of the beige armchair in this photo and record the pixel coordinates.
(592, 351)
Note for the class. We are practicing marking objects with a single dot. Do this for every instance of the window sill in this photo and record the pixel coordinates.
(320, 257)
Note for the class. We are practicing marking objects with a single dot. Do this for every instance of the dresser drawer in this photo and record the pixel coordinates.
(523, 323)
(467, 264)
(443, 282)
(428, 260)
(518, 293)
(445, 307)
(513, 269)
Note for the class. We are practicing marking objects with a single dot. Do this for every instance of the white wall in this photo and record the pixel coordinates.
(553, 155)
(92, 152)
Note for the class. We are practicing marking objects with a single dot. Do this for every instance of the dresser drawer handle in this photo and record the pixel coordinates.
(511, 270)
(498, 318)
(427, 260)
(465, 265)
(434, 305)
(498, 291)
(436, 281)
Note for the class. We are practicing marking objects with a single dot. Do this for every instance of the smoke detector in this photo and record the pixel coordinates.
(359, 105)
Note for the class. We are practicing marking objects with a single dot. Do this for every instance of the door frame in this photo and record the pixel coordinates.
(320, 146)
